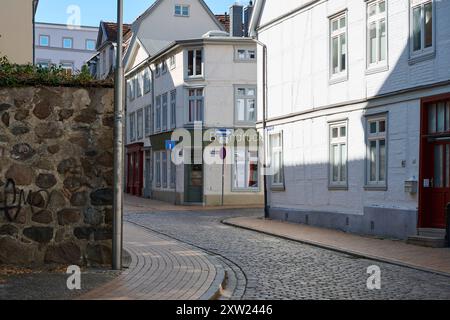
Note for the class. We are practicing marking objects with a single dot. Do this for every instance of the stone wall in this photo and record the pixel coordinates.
(56, 175)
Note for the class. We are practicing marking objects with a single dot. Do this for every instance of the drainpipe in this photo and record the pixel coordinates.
(264, 121)
(118, 146)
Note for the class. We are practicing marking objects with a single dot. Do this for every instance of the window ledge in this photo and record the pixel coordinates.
(376, 69)
(337, 79)
(252, 190)
(337, 188)
(421, 57)
(195, 78)
(375, 188)
(278, 188)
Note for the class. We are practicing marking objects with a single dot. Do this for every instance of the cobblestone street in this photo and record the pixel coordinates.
(275, 268)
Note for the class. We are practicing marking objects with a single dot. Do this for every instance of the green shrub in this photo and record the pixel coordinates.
(14, 75)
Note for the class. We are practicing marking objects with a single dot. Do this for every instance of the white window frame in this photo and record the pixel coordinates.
(88, 41)
(196, 98)
(278, 185)
(132, 123)
(377, 19)
(158, 172)
(339, 141)
(147, 81)
(148, 120)
(172, 62)
(71, 42)
(157, 70)
(44, 36)
(342, 75)
(165, 111)
(182, 12)
(140, 124)
(68, 66)
(173, 108)
(247, 161)
(158, 114)
(139, 89)
(423, 52)
(376, 184)
(194, 62)
(44, 64)
(173, 171)
(247, 99)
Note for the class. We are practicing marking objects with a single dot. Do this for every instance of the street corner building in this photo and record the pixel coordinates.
(201, 75)
(358, 113)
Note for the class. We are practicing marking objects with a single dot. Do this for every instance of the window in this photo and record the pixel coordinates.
(140, 124)
(421, 28)
(244, 54)
(67, 67)
(147, 83)
(148, 119)
(173, 170)
(439, 118)
(44, 41)
(164, 169)
(173, 108)
(245, 169)
(130, 89)
(163, 67)
(67, 43)
(181, 10)
(276, 159)
(44, 64)
(165, 111)
(245, 104)
(376, 33)
(172, 62)
(195, 62)
(132, 127)
(158, 114)
(195, 105)
(157, 172)
(338, 45)
(157, 70)
(90, 45)
(138, 80)
(376, 149)
(338, 154)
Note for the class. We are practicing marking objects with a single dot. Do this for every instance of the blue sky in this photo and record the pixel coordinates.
(92, 11)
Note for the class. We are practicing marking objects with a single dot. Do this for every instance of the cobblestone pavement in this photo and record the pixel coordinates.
(276, 268)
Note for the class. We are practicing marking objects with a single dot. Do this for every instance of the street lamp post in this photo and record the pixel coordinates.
(118, 145)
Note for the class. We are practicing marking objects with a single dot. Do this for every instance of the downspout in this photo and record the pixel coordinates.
(34, 8)
(264, 122)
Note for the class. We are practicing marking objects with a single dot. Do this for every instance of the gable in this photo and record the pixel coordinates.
(161, 23)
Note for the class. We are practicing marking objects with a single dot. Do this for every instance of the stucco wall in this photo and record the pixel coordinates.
(16, 30)
(56, 145)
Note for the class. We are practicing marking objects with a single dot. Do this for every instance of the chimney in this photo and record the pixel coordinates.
(236, 25)
(248, 11)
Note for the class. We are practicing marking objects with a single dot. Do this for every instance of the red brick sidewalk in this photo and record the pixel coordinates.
(396, 252)
(137, 204)
(161, 269)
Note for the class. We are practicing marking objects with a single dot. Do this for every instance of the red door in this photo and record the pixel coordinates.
(435, 163)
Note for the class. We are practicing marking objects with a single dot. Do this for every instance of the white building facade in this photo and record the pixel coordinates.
(357, 113)
(69, 47)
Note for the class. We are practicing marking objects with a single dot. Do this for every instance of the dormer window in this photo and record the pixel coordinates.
(181, 10)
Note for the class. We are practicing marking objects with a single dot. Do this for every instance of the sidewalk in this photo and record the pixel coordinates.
(395, 252)
(137, 204)
(161, 269)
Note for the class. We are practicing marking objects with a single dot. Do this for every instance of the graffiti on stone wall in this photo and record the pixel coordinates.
(15, 200)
